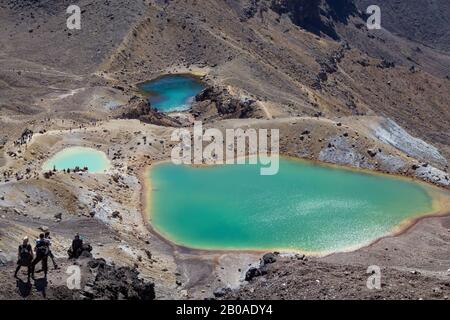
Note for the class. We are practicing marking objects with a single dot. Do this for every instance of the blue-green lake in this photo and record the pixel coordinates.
(305, 207)
(172, 93)
(70, 158)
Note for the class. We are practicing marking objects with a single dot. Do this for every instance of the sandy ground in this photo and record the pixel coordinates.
(413, 265)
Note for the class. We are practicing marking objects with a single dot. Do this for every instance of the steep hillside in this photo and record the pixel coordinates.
(257, 48)
(421, 21)
(36, 31)
(294, 59)
(317, 16)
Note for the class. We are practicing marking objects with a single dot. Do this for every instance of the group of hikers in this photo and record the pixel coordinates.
(42, 251)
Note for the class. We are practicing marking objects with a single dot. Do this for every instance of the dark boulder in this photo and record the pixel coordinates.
(269, 258)
(252, 273)
(221, 292)
(372, 152)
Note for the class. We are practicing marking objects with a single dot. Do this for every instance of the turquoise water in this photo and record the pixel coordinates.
(305, 206)
(172, 92)
(69, 158)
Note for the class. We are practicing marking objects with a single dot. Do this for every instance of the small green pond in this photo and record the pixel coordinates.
(81, 157)
(172, 93)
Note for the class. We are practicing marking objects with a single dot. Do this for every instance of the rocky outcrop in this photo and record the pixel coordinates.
(100, 280)
(250, 9)
(340, 151)
(138, 108)
(317, 16)
(430, 173)
(25, 137)
(114, 283)
(266, 260)
(329, 65)
(214, 102)
(389, 132)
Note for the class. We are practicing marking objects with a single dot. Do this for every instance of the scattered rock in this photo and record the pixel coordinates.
(252, 273)
(372, 152)
(116, 215)
(437, 291)
(3, 260)
(300, 256)
(220, 292)
(114, 283)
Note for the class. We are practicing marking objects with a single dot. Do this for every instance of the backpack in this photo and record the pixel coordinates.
(41, 247)
(24, 252)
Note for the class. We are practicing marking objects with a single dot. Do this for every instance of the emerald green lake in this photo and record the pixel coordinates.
(70, 158)
(172, 92)
(304, 207)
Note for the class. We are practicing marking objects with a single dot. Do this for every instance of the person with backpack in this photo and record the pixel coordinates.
(76, 248)
(41, 249)
(49, 251)
(25, 257)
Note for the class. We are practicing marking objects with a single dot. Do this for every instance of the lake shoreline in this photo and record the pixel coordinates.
(387, 251)
(162, 96)
(103, 162)
(440, 203)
